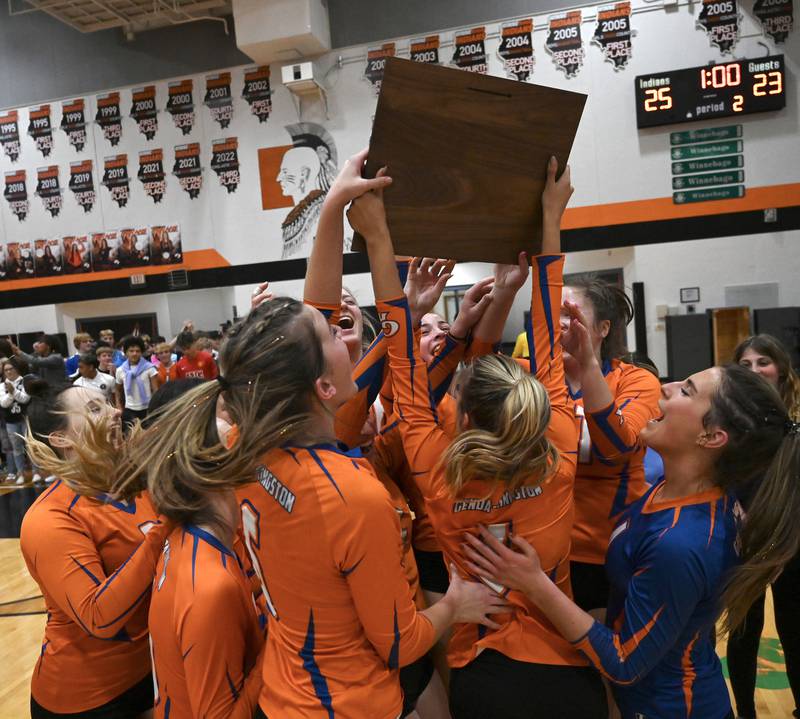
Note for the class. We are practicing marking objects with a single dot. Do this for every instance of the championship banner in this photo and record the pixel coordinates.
(116, 180)
(721, 19)
(19, 260)
(257, 92)
(776, 18)
(77, 254)
(516, 49)
(16, 194)
(187, 168)
(48, 258)
(134, 247)
(376, 62)
(82, 184)
(73, 122)
(225, 162)
(9, 134)
(425, 49)
(48, 189)
(144, 111)
(105, 250)
(613, 33)
(165, 245)
(109, 117)
(470, 52)
(180, 104)
(219, 99)
(40, 129)
(564, 42)
(151, 174)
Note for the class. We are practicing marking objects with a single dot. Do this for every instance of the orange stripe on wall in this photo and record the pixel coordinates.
(662, 208)
(192, 260)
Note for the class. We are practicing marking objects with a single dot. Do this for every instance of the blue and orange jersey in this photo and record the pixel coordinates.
(325, 540)
(94, 561)
(667, 563)
(541, 512)
(610, 472)
(204, 631)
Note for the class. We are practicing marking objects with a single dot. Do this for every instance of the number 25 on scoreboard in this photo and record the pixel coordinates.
(658, 99)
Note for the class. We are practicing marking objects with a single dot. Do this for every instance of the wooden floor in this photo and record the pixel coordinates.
(20, 640)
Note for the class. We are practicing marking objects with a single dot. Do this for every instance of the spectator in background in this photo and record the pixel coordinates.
(105, 359)
(194, 362)
(47, 361)
(13, 400)
(163, 360)
(107, 336)
(136, 380)
(83, 343)
(90, 376)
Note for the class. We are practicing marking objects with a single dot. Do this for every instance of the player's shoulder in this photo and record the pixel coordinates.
(632, 374)
(349, 473)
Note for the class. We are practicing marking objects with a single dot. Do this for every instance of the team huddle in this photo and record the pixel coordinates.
(417, 527)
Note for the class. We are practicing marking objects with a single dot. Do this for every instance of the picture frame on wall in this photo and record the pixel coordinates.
(690, 295)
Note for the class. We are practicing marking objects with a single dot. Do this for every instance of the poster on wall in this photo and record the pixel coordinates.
(3, 262)
(77, 254)
(105, 250)
(564, 42)
(48, 259)
(41, 129)
(219, 99)
(134, 247)
(613, 33)
(116, 179)
(425, 49)
(257, 92)
(19, 261)
(48, 189)
(298, 176)
(187, 168)
(144, 111)
(165, 245)
(776, 18)
(73, 123)
(82, 184)
(180, 104)
(470, 52)
(225, 162)
(721, 20)
(376, 63)
(16, 194)
(151, 174)
(9, 134)
(109, 117)
(516, 49)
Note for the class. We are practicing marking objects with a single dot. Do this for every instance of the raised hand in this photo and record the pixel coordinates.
(577, 340)
(489, 558)
(260, 295)
(556, 192)
(349, 184)
(425, 283)
(474, 303)
(512, 277)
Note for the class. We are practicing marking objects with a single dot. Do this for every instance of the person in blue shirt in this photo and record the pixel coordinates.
(107, 336)
(678, 555)
(83, 343)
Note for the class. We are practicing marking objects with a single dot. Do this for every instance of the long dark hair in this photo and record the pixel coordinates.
(788, 381)
(763, 442)
(610, 303)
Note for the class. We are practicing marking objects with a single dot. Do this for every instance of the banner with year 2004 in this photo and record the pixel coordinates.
(516, 49)
(470, 51)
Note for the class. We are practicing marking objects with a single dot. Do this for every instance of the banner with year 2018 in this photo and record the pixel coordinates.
(564, 42)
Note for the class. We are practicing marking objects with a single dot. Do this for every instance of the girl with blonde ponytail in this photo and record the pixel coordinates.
(511, 466)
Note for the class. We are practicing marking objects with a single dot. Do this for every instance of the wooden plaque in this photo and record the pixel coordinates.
(468, 156)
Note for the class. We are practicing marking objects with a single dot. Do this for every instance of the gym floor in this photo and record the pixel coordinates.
(22, 620)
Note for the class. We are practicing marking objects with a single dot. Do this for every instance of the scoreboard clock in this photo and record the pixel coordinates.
(709, 91)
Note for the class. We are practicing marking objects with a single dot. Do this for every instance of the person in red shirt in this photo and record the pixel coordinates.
(194, 362)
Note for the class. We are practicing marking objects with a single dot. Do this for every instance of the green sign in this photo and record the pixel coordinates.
(709, 163)
(716, 193)
(710, 133)
(708, 179)
(707, 150)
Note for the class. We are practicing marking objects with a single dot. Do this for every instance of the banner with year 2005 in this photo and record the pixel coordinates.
(564, 42)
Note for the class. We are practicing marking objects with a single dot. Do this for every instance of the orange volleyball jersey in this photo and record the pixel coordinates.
(325, 540)
(610, 473)
(204, 631)
(541, 513)
(94, 562)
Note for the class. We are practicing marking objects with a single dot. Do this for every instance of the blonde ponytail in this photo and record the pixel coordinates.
(509, 412)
